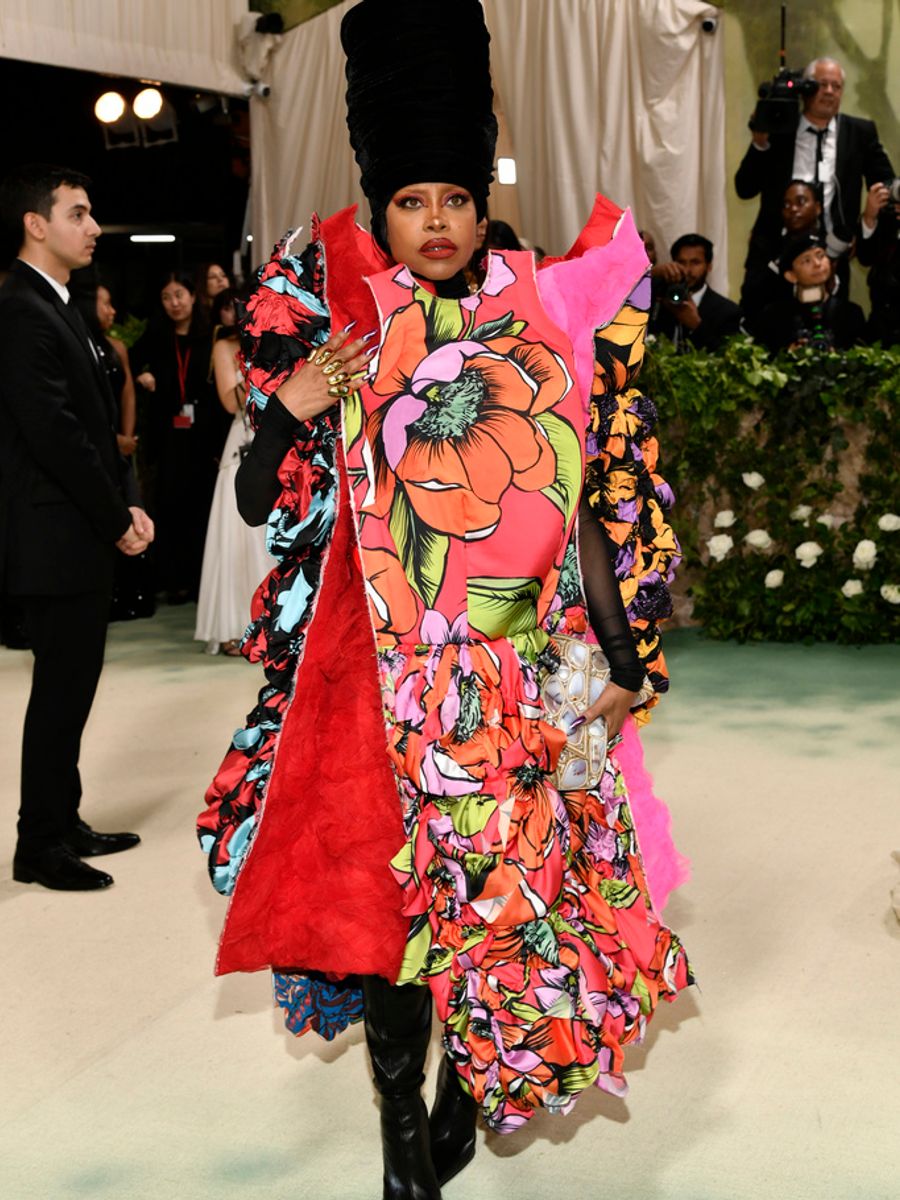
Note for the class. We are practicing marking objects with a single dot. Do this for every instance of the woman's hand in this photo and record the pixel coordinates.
(127, 445)
(614, 704)
(333, 371)
(147, 381)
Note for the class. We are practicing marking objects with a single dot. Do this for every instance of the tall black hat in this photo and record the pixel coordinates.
(419, 97)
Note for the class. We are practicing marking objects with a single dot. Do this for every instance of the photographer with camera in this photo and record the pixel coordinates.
(820, 144)
(816, 314)
(878, 247)
(690, 313)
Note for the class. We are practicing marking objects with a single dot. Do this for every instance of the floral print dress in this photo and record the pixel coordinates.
(527, 910)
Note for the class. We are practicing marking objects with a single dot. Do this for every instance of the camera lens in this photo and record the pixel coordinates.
(709, 24)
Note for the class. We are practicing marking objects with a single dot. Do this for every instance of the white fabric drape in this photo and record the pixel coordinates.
(302, 159)
(620, 96)
(625, 97)
(187, 42)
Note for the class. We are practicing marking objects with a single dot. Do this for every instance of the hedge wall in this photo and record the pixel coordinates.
(787, 476)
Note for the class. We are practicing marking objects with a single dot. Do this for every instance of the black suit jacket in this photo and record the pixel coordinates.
(719, 319)
(64, 487)
(766, 173)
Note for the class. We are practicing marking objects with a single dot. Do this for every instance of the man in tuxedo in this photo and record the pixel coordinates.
(702, 318)
(836, 151)
(68, 504)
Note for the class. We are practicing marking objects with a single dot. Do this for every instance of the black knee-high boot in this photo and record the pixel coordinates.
(398, 1027)
(452, 1124)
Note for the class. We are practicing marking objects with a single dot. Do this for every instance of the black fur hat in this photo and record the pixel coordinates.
(419, 96)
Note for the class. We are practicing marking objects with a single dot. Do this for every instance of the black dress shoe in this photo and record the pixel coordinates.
(87, 843)
(58, 868)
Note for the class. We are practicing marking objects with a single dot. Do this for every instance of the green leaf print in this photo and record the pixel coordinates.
(540, 939)
(576, 1079)
(618, 893)
(353, 419)
(566, 489)
(444, 320)
(641, 993)
(503, 607)
(499, 327)
(470, 814)
(422, 551)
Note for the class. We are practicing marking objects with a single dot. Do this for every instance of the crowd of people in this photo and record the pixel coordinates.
(811, 224)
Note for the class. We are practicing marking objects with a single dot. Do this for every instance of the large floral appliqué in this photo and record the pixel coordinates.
(466, 414)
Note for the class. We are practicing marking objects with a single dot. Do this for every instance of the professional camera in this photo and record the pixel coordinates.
(779, 100)
(894, 191)
(777, 110)
(677, 292)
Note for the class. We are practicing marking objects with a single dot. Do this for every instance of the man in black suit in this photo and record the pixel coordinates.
(67, 502)
(703, 318)
(831, 149)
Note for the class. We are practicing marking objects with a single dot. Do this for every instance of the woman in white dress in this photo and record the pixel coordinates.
(235, 559)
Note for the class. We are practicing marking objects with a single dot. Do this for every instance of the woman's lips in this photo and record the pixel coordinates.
(438, 248)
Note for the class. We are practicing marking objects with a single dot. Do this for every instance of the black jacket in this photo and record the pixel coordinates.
(840, 325)
(64, 487)
(766, 173)
(719, 319)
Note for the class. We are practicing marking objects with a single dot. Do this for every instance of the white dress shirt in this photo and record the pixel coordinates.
(60, 288)
(805, 160)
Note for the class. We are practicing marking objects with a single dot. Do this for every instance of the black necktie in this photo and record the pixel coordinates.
(819, 135)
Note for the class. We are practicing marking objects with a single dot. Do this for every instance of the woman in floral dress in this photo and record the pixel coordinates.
(385, 819)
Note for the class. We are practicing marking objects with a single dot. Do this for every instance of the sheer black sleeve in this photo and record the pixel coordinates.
(256, 485)
(606, 611)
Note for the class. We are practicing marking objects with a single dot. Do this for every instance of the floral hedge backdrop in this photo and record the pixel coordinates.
(786, 472)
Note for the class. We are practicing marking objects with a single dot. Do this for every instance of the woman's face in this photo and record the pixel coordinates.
(800, 209)
(227, 315)
(106, 314)
(431, 228)
(216, 280)
(177, 301)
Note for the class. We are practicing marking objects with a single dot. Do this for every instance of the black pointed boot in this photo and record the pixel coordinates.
(398, 1028)
(451, 1123)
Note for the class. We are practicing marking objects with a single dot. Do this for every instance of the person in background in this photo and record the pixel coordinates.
(235, 559)
(826, 147)
(801, 213)
(68, 503)
(211, 279)
(133, 585)
(816, 314)
(695, 316)
(878, 248)
(171, 364)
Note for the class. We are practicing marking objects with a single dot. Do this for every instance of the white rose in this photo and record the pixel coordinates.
(720, 545)
(827, 520)
(774, 579)
(891, 593)
(889, 523)
(853, 587)
(759, 539)
(865, 554)
(724, 519)
(753, 479)
(801, 513)
(808, 553)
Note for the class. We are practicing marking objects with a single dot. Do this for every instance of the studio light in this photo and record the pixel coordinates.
(109, 107)
(148, 103)
(152, 237)
(506, 170)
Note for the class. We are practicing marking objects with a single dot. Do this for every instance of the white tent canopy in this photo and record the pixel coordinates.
(186, 42)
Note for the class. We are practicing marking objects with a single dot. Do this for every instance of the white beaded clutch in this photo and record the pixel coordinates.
(582, 675)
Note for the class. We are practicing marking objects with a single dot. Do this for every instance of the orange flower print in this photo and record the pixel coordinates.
(459, 426)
